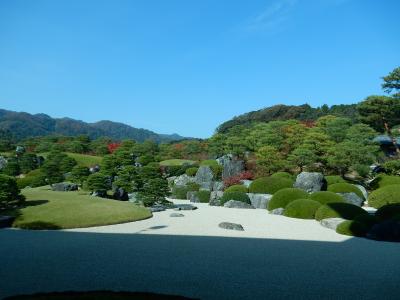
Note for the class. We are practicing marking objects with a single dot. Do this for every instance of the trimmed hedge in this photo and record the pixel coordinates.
(339, 210)
(237, 188)
(385, 180)
(333, 179)
(283, 197)
(269, 185)
(387, 195)
(238, 196)
(325, 197)
(345, 188)
(302, 209)
(388, 211)
(191, 171)
(204, 196)
(283, 175)
(352, 228)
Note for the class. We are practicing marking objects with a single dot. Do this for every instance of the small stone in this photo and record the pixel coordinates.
(176, 215)
(185, 207)
(331, 223)
(277, 211)
(231, 226)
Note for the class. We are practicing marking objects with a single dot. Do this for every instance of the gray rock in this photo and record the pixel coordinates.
(218, 186)
(231, 226)
(3, 162)
(183, 180)
(94, 169)
(310, 182)
(185, 207)
(120, 194)
(259, 200)
(215, 198)
(331, 223)
(176, 215)
(64, 187)
(363, 191)
(132, 197)
(6, 221)
(204, 177)
(231, 165)
(157, 208)
(171, 180)
(237, 204)
(352, 198)
(246, 183)
(277, 211)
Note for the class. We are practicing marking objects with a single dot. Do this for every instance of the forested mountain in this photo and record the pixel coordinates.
(24, 125)
(287, 112)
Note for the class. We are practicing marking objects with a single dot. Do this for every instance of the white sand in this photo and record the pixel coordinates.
(274, 258)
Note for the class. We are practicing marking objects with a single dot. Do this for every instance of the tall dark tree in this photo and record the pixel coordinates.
(391, 84)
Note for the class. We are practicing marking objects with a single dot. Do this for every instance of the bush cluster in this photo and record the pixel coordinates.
(302, 209)
(284, 196)
(191, 171)
(269, 185)
(283, 175)
(237, 188)
(204, 196)
(384, 180)
(339, 210)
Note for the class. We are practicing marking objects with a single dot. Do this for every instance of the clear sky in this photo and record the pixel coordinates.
(186, 66)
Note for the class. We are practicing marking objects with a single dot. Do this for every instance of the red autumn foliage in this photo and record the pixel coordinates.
(113, 146)
(308, 123)
(246, 175)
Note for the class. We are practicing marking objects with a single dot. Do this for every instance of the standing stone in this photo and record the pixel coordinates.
(215, 198)
(311, 182)
(218, 186)
(237, 204)
(231, 226)
(183, 180)
(352, 198)
(204, 177)
(231, 166)
(259, 200)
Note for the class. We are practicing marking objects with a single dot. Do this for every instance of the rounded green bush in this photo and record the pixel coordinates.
(345, 188)
(367, 219)
(204, 196)
(283, 197)
(325, 197)
(191, 171)
(238, 196)
(302, 209)
(352, 228)
(283, 175)
(237, 188)
(387, 195)
(332, 179)
(385, 180)
(388, 211)
(339, 210)
(269, 185)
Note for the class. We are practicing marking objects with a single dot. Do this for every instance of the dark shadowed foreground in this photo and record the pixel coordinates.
(196, 266)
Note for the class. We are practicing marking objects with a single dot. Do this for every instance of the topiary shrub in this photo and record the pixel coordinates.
(325, 197)
(384, 180)
(333, 179)
(283, 175)
(302, 209)
(387, 195)
(204, 196)
(339, 210)
(237, 188)
(191, 171)
(269, 185)
(345, 188)
(367, 219)
(388, 211)
(238, 196)
(352, 228)
(285, 196)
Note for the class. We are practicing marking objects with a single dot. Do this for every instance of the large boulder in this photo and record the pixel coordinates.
(120, 194)
(218, 186)
(215, 198)
(231, 226)
(237, 204)
(331, 223)
(311, 182)
(3, 162)
(204, 177)
(64, 187)
(259, 200)
(231, 165)
(183, 180)
(352, 198)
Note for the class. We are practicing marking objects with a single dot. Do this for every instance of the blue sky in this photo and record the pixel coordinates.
(186, 66)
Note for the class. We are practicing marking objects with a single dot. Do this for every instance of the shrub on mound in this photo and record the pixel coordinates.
(352, 228)
(326, 197)
(387, 195)
(269, 185)
(238, 196)
(339, 210)
(283, 197)
(237, 188)
(345, 188)
(333, 179)
(283, 175)
(388, 211)
(302, 209)
(204, 196)
(384, 180)
(191, 171)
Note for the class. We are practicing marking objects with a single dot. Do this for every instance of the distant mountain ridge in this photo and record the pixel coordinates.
(24, 125)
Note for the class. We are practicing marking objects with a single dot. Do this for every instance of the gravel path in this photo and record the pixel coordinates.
(274, 257)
